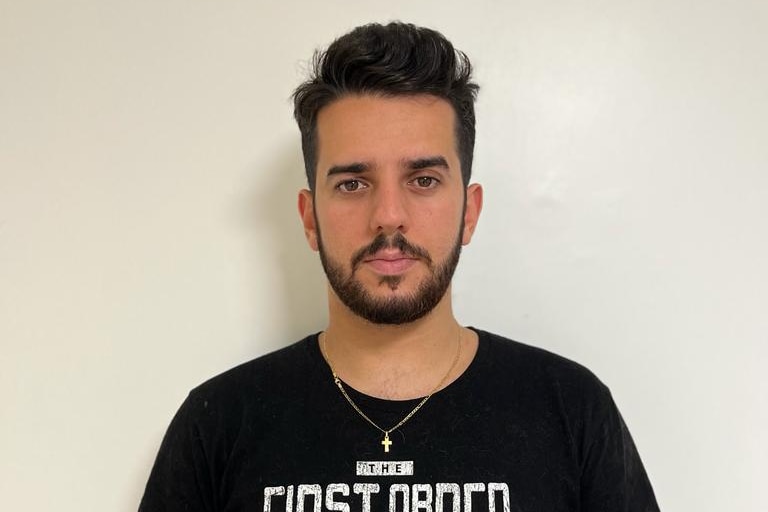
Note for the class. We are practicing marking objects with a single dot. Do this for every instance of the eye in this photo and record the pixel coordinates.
(350, 186)
(426, 182)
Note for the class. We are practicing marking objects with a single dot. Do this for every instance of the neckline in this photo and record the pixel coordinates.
(390, 406)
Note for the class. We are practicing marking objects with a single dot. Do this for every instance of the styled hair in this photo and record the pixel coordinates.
(398, 59)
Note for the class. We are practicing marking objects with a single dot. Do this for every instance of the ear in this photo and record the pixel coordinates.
(472, 211)
(307, 214)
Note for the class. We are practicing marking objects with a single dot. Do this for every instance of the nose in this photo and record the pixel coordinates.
(389, 209)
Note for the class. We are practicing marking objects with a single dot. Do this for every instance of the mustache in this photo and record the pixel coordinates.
(396, 241)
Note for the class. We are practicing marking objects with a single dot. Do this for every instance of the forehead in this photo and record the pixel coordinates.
(373, 128)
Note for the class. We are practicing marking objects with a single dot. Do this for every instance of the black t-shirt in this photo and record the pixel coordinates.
(521, 430)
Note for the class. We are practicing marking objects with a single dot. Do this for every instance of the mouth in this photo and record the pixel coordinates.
(390, 256)
(390, 262)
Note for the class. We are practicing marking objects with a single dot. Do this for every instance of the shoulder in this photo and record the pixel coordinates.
(530, 360)
(278, 375)
(540, 373)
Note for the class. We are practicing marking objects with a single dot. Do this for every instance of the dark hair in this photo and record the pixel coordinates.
(388, 60)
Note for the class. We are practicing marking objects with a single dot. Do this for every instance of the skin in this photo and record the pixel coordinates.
(389, 165)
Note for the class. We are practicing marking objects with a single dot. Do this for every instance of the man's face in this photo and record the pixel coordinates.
(388, 213)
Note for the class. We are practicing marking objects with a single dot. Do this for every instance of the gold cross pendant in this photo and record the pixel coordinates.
(386, 442)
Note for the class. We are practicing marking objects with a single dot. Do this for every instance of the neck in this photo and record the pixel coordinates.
(396, 361)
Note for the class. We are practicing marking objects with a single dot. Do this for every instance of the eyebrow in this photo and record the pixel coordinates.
(353, 168)
(427, 162)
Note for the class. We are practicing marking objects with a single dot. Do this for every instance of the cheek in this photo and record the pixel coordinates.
(438, 228)
(339, 232)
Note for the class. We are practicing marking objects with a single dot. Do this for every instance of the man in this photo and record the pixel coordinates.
(395, 406)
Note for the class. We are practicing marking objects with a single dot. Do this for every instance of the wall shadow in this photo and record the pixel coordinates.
(275, 219)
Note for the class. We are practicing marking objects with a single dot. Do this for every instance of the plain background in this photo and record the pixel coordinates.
(149, 238)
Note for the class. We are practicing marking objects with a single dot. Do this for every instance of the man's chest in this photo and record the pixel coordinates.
(436, 462)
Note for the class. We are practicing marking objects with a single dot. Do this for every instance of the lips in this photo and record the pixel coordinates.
(390, 262)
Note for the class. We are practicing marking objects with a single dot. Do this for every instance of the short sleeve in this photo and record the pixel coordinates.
(180, 479)
(613, 477)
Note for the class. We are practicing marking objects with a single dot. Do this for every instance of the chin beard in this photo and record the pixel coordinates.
(391, 310)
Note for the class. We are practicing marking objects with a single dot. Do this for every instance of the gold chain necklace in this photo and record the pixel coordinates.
(386, 441)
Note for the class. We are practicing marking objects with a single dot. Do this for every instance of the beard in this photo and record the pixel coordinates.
(393, 310)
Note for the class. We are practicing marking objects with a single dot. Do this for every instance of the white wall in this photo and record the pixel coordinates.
(148, 235)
